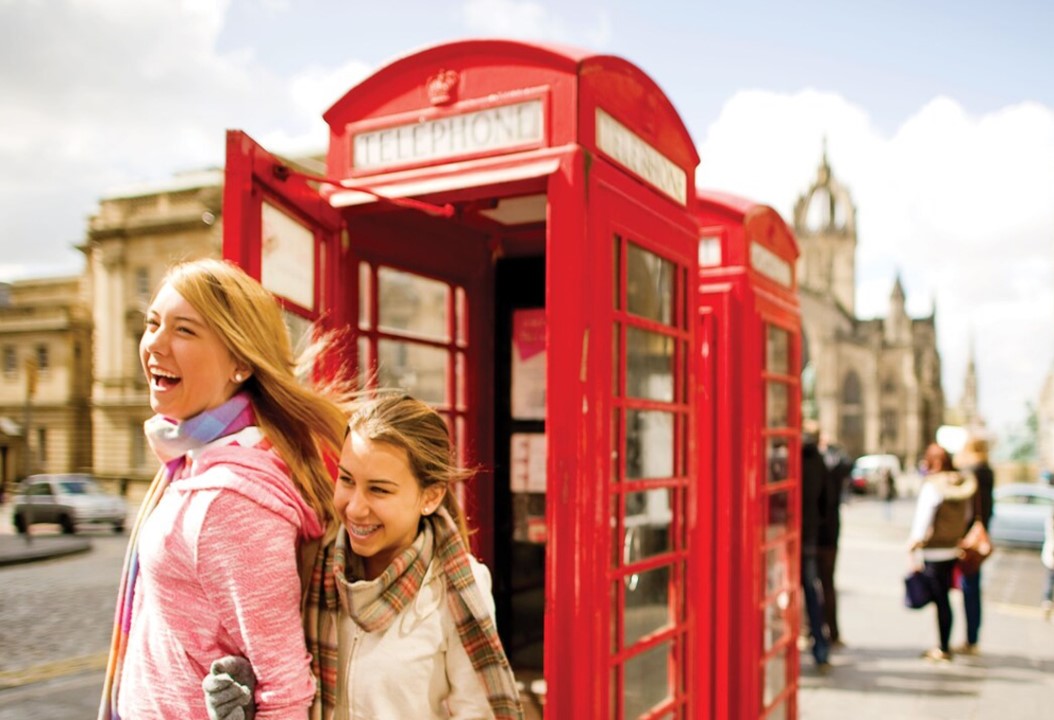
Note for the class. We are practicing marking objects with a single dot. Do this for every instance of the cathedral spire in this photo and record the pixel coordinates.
(897, 325)
(968, 404)
(897, 295)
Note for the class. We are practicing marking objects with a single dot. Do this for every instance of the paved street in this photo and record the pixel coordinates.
(55, 620)
(880, 675)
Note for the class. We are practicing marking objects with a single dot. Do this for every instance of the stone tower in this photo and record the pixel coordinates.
(825, 222)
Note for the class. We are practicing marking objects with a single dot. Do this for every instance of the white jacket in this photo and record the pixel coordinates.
(416, 669)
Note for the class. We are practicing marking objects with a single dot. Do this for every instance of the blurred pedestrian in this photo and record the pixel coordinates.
(942, 511)
(887, 485)
(813, 484)
(211, 567)
(838, 468)
(974, 460)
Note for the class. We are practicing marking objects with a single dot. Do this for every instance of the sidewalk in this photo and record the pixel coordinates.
(14, 549)
(879, 675)
(43, 545)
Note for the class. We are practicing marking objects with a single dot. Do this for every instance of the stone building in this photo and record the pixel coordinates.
(872, 384)
(45, 377)
(134, 237)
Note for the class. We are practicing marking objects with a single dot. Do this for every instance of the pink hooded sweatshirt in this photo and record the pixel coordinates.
(218, 576)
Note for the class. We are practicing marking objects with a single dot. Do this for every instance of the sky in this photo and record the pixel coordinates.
(938, 115)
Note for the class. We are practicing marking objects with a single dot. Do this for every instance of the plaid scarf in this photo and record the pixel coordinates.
(398, 586)
(170, 441)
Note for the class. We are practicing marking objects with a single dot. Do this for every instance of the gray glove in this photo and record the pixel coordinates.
(229, 689)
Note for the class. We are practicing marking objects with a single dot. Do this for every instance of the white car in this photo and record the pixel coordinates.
(868, 471)
(69, 500)
(1019, 511)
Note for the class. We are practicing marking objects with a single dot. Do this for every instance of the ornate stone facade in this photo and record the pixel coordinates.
(45, 377)
(132, 239)
(873, 384)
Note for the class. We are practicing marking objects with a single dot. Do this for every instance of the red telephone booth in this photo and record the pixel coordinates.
(507, 231)
(750, 451)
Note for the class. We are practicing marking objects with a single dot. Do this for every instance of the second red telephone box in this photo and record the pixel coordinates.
(750, 451)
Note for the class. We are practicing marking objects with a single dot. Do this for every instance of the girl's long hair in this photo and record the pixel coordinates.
(304, 423)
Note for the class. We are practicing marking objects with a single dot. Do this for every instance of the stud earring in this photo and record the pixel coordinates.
(237, 377)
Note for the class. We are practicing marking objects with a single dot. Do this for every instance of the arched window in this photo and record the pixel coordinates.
(851, 423)
(851, 389)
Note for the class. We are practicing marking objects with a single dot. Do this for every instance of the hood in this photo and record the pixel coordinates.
(257, 474)
(953, 485)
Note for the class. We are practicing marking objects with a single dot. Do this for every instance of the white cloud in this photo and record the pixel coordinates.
(510, 18)
(103, 93)
(532, 20)
(960, 205)
(312, 92)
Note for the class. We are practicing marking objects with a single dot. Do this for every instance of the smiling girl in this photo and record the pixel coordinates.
(211, 568)
(409, 608)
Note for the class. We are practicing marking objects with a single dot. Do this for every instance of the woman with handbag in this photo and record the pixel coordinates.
(942, 510)
(975, 461)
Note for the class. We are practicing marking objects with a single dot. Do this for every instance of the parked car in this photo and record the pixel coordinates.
(69, 500)
(869, 472)
(1019, 511)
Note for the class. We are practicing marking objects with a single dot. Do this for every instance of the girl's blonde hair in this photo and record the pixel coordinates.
(414, 426)
(303, 423)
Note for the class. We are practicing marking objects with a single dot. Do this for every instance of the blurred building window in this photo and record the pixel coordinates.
(42, 357)
(142, 283)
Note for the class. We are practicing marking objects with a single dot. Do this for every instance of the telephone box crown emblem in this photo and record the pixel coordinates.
(442, 87)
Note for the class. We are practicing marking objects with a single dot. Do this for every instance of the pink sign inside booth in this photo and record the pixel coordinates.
(528, 364)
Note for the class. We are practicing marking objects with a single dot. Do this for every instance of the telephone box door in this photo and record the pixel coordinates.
(280, 230)
(635, 481)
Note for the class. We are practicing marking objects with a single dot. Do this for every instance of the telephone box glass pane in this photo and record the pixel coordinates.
(648, 519)
(778, 713)
(649, 444)
(777, 574)
(418, 369)
(777, 350)
(365, 362)
(777, 404)
(461, 381)
(777, 460)
(461, 308)
(287, 256)
(649, 365)
(649, 285)
(776, 625)
(775, 676)
(647, 680)
(778, 515)
(365, 295)
(647, 597)
(413, 304)
(299, 330)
